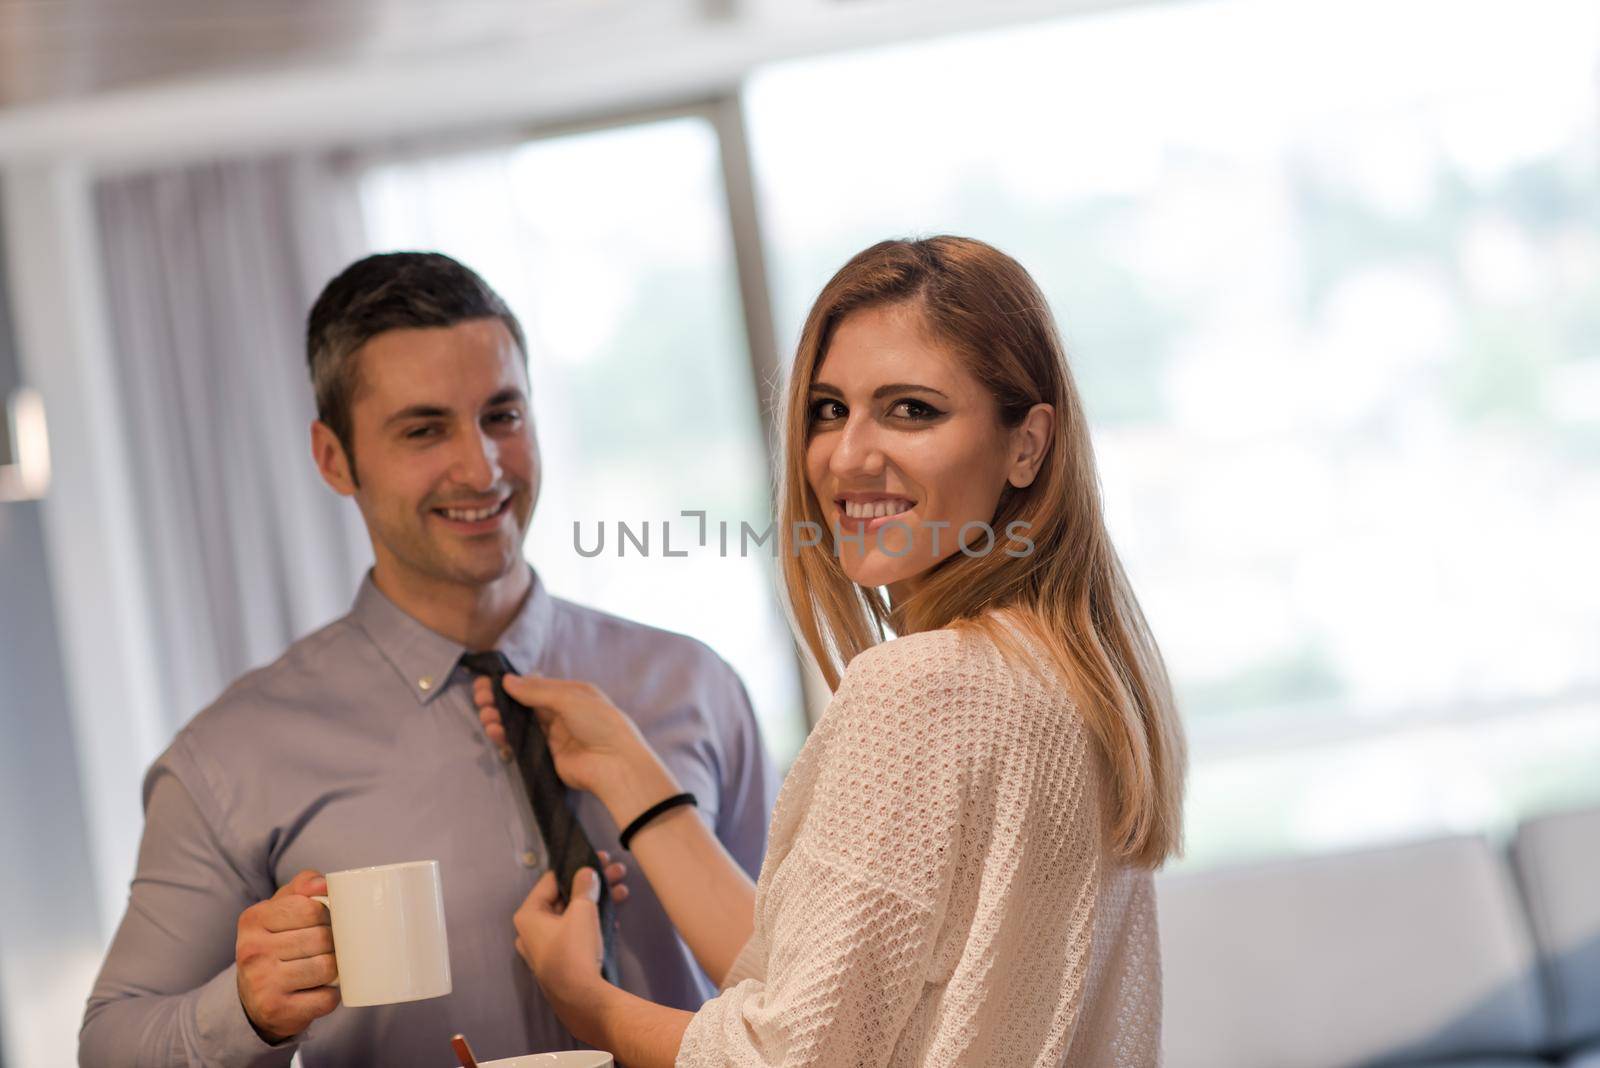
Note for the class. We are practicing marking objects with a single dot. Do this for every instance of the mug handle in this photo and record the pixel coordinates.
(322, 899)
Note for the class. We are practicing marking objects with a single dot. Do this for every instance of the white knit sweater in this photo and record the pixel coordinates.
(936, 890)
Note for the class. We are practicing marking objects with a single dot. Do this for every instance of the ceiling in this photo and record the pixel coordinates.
(54, 50)
(132, 84)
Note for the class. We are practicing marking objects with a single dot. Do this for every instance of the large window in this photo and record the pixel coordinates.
(613, 249)
(1330, 282)
(1329, 276)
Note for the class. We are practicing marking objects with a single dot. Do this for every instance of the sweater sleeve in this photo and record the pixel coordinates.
(856, 903)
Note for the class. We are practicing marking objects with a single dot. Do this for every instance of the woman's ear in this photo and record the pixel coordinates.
(1030, 442)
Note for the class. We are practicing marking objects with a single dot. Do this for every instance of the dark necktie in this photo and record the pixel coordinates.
(568, 847)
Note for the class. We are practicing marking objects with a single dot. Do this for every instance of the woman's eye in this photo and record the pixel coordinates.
(826, 409)
(914, 409)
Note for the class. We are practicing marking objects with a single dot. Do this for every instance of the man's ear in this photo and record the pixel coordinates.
(333, 463)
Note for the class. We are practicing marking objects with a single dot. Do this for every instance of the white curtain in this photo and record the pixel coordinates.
(210, 272)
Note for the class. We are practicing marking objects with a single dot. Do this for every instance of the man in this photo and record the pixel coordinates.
(361, 746)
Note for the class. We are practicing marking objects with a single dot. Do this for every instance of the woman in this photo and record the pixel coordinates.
(959, 866)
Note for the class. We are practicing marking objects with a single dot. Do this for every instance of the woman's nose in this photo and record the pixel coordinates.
(858, 452)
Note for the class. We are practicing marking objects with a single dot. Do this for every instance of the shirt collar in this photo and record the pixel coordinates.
(425, 659)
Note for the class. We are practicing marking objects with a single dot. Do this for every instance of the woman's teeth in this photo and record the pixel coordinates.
(876, 509)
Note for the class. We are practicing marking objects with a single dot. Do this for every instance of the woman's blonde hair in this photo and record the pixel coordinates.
(1069, 592)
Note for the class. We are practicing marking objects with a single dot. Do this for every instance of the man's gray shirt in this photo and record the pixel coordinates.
(360, 746)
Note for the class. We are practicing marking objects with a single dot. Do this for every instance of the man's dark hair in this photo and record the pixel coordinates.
(388, 291)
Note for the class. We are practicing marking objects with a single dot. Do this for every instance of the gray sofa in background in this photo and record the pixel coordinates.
(1449, 952)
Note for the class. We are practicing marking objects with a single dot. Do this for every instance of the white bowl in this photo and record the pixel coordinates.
(577, 1058)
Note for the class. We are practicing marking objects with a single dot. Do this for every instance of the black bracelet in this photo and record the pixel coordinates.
(652, 812)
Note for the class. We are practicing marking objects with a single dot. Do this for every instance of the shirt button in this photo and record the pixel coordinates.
(425, 683)
(529, 860)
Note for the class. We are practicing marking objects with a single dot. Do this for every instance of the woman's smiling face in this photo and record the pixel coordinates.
(905, 448)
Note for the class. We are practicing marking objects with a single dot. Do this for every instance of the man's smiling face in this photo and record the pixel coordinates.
(445, 452)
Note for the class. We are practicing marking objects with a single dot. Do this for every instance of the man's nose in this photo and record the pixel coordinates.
(477, 464)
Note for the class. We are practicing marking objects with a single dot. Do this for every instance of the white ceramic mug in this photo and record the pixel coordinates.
(388, 933)
(578, 1058)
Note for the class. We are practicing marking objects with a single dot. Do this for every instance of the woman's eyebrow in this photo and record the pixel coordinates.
(904, 387)
(880, 392)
